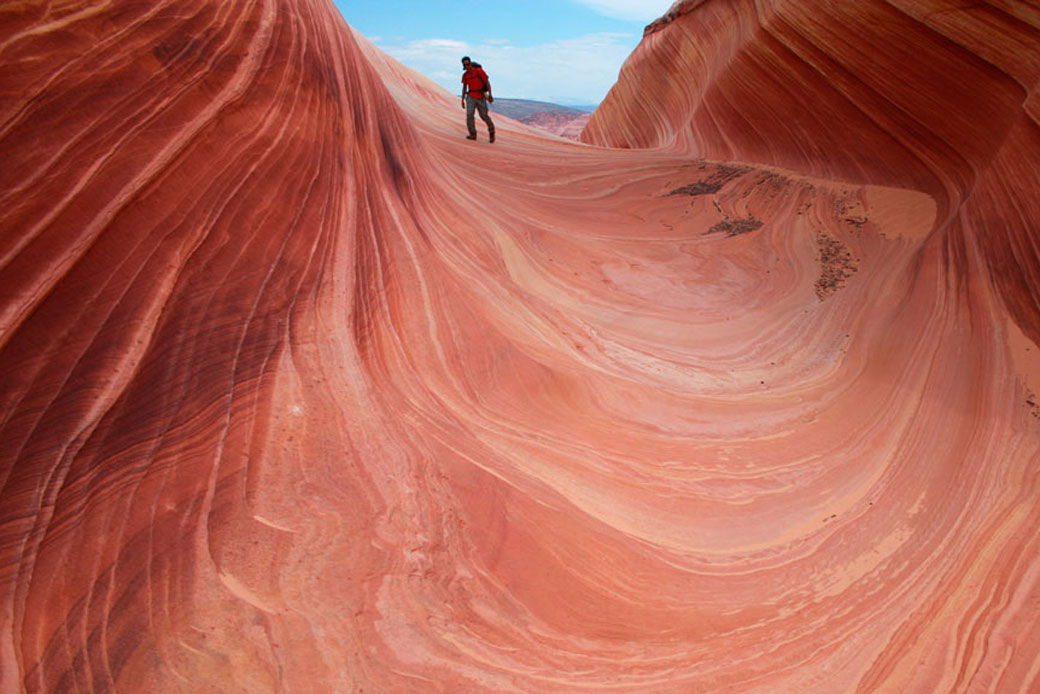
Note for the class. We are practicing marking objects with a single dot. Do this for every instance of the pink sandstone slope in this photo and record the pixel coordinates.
(300, 391)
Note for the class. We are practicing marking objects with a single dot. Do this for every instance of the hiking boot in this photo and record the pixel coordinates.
(471, 137)
(491, 136)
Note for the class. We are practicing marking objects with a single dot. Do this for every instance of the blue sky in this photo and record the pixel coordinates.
(563, 51)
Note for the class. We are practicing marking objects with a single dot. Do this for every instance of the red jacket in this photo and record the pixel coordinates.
(476, 81)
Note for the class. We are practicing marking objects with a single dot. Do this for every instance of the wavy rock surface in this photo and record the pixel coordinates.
(301, 391)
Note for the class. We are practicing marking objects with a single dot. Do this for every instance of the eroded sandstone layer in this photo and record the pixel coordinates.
(301, 391)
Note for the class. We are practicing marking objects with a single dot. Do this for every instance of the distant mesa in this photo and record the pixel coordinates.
(565, 121)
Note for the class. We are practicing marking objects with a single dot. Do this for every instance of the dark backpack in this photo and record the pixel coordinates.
(479, 66)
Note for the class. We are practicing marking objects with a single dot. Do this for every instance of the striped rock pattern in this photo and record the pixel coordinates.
(301, 391)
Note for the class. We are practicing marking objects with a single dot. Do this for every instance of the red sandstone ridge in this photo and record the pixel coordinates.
(932, 96)
(294, 397)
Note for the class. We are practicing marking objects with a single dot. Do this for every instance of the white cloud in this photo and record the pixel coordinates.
(579, 70)
(437, 44)
(631, 10)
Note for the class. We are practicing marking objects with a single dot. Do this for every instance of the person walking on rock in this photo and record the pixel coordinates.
(475, 86)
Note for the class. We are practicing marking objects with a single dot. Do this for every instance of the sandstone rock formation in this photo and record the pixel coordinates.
(301, 391)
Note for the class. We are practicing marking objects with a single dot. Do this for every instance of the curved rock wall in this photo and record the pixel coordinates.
(938, 96)
(302, 391)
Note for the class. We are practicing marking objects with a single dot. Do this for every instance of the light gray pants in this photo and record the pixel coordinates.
(480, 105)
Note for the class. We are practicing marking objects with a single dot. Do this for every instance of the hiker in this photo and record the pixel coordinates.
(475, 86)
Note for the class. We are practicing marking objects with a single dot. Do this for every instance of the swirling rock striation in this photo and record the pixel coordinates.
(302, 391)
(938, 96)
